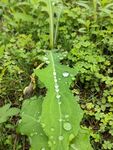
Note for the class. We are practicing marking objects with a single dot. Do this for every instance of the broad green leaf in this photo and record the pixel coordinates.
(61, 114)
(6, 112)
(30, 123)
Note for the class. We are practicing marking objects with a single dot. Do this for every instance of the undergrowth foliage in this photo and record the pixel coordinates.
(83, 29)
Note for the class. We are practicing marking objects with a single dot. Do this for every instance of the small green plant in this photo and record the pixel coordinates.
(107, 145)
(84, 29)
(53, 8)
(6, 112)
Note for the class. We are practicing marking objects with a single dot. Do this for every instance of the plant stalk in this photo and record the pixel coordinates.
(51, 24)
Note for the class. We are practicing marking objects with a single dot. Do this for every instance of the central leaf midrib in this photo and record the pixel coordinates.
(54, 70)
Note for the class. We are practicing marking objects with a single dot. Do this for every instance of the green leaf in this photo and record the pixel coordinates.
(110, 99)
(30, 123)
(61, 114)
(6, 112)
(54, 122)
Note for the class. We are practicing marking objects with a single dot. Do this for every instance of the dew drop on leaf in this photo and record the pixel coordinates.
(31, 134)
(58, 96)
(60, 120)
(55, 80)
(43, 125)
(43, 148)
(56, 86)
(59, 103)
(67, 116)
(52, 129)
(73, 78)
(57, 90)
(60, 137)
(67, 126)
(54, 73)
(53, 3)
(65, 74)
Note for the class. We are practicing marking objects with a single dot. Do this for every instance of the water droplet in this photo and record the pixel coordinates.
(59, 103)
(60, 120)
(56, 86)
(67, 116)
(65, 74)
(31, 134)
(55, 77)
(60, 137)
(54, 73)
(53, 3)
(43, 125)
(58, 96)
(52, 129)
(55, 80)
(73, 78)
(67, 126)
(57, 90)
